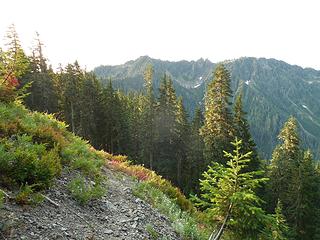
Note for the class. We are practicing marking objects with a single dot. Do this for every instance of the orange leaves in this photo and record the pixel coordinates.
(8, 86)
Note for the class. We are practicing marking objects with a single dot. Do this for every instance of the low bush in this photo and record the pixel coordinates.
(79, 155)
(24, 162)
(27, 195)
(84, 190)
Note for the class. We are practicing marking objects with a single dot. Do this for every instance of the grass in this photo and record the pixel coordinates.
(184, 223)
(152, 232)
(83, 190)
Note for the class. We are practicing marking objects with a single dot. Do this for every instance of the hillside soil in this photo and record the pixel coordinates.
(118, 215)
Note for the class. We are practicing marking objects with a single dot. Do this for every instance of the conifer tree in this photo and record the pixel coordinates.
(196, 162)
(133, 113)
(218, 128)
(72, 79)
(276, 227)
(149, 118)
(165, 122)
(15, 60)
(89, 108)
(43, 93)
(182, 147)
(13, 66)
(229, 195)
(241, 130)
(112, 121)
(294, 183)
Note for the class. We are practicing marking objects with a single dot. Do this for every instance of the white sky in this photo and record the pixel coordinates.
(112, 32)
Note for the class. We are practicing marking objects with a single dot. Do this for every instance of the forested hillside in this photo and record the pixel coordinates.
(272, 91)
(209, 156)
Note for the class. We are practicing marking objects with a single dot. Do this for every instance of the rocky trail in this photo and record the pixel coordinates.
(118, 215)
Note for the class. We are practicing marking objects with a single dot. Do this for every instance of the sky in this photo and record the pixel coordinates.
(111, 32)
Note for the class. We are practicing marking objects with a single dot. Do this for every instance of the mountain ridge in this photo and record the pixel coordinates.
(273, 90)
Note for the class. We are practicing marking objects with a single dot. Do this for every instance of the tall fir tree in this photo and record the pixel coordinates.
(293, 180)
(165, 136)
(182, 146)
(90, 108)
(148, 119)
(43, 93)
(242, 131)
(218, 128)
(15, 60)
(196, 164)
(134, 133)
(71, 80)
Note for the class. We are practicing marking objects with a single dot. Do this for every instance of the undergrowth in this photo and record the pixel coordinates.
(184, 223)
(34, 147)
(83, 190)
(141, 173)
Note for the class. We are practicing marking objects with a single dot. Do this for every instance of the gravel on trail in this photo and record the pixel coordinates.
(117, 215)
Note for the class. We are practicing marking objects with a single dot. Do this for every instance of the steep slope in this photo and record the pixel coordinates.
(273, 91)
(117, 215)
(54, 185)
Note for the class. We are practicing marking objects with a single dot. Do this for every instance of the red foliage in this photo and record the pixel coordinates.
(12, 81)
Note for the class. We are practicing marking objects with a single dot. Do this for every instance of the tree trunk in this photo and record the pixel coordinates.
(151, 160)
(218, 235)
(179, 172)
(72, 119)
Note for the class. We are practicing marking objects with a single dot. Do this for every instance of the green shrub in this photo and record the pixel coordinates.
(79, 155)
(25, 162)
(27, 195)
(83, 190)
(2, 196)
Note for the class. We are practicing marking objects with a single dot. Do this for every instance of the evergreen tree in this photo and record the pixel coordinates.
(148, 119)
(43, 93)
(15, 61)
(112, 121)
(182, 147)
(218, 128)
(276, 228)
(165, 136)
(195, 160)
(90, 108)
(241, 130)
(303, 197)
(229, 195)
(294, 182)
(133, 115)
(71, 80)
(13, 65)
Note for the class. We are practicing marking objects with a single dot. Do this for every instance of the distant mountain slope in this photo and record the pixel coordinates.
(273, 90)
(188, 77)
